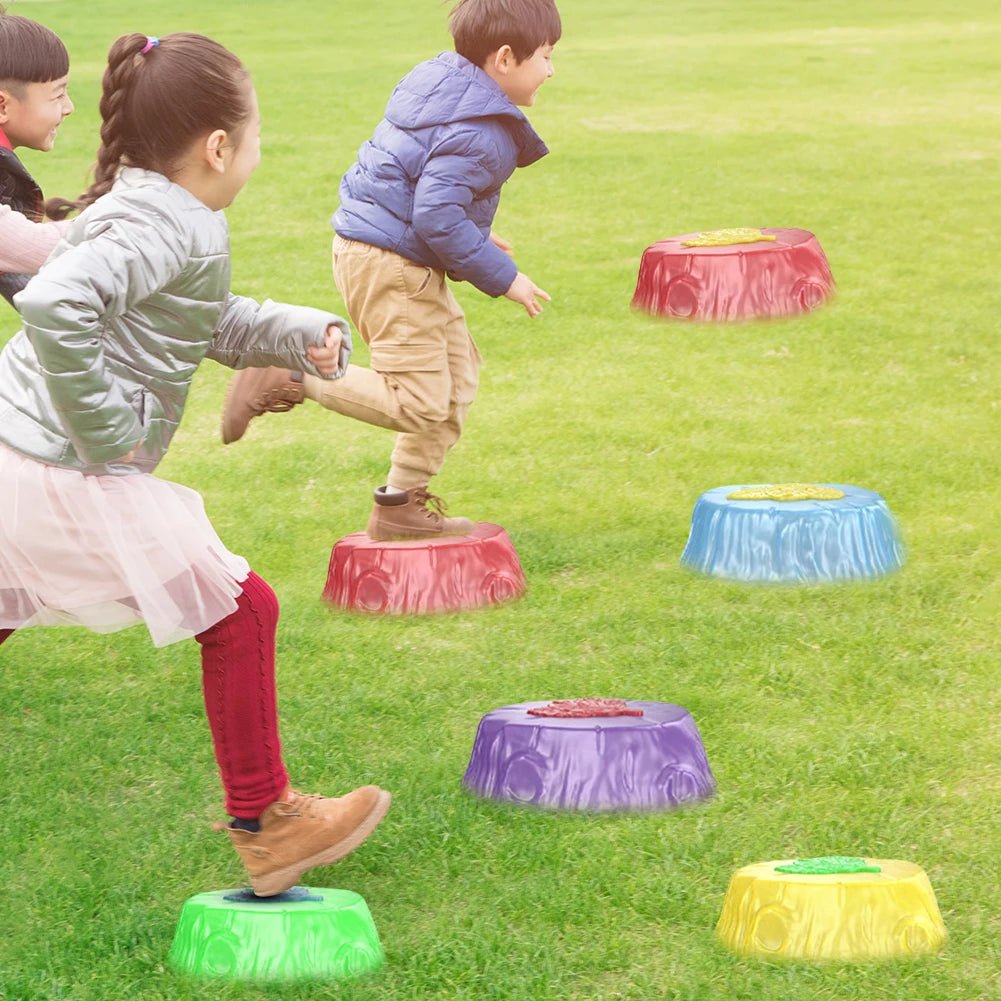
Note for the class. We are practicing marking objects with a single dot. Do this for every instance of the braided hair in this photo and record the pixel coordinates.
(158, 97)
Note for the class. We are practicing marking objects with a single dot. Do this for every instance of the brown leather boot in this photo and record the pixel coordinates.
(398, 516)
(255, 391)
(301, 832)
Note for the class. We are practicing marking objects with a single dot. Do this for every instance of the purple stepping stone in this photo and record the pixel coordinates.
(651, 762)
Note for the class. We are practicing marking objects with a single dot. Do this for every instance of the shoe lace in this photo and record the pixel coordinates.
(277, 401)
(301, 803)
(424, 498)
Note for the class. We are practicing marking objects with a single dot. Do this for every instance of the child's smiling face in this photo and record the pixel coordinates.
(31, 113)
(522, 81)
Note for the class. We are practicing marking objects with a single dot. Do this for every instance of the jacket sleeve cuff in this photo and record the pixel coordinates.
(252, 335)
(491, 270)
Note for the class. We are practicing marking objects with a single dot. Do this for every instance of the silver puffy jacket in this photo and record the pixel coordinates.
(117, 321)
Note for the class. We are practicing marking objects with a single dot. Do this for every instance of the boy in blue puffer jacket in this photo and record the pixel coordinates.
(417, 206)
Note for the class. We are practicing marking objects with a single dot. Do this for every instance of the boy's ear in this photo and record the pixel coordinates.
(212, 151)
(501, 60)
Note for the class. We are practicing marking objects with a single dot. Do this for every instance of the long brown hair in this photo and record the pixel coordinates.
(158, 97)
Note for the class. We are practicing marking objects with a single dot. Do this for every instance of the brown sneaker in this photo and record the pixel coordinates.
(255, 391)
(301, 832)
(399, 516)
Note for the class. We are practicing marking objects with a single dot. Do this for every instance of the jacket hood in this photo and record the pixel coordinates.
(448, 89)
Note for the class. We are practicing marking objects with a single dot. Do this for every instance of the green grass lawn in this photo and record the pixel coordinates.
(856, 719)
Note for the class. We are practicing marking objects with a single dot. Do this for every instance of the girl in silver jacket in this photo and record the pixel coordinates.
(91, 391)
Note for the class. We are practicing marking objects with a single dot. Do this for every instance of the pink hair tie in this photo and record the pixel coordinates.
(150, 42)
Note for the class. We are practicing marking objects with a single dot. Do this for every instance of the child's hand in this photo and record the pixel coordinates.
(499, 241)
(327, 358)
(523, 290)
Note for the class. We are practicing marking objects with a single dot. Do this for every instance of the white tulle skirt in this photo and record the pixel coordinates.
(109, 551)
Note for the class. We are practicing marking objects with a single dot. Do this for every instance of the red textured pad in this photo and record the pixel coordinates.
(580, 708)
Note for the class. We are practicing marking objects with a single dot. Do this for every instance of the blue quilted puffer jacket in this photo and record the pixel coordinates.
(427, 184)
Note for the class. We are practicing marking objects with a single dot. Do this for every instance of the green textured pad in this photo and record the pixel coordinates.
(302, 934)
(827, 865)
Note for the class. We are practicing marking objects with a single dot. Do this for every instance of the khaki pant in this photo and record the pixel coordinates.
(424, 364)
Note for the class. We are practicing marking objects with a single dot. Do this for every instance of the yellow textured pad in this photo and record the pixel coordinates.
(787, 492)
(724, 237)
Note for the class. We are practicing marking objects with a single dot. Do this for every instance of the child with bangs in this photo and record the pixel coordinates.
(34, 74)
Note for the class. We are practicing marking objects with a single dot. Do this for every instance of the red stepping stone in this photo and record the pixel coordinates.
(429, 575)
(782, 274)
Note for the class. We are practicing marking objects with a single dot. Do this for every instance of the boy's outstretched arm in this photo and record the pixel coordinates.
(442, 197)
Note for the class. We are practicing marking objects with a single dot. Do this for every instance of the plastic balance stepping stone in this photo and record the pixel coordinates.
(430, 575)
(833, 908)
(737, 274)
(301, 934)
(793, 533)
(653, 761)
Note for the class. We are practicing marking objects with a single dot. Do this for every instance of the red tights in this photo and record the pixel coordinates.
(238, 681)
